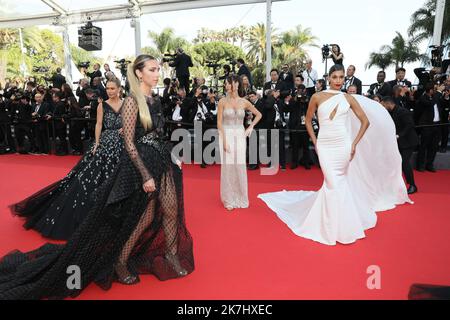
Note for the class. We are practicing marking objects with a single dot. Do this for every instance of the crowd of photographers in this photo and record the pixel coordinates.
(55, 113)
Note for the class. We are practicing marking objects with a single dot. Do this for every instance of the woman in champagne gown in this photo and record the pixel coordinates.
(233, 144)
(136, 224)
(57, 210)
(361, 167)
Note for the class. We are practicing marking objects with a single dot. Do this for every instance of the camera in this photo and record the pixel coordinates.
(85, 64)
(122, 65)
(40, 69)
(325, 51)
(169, 57)
(212, 64)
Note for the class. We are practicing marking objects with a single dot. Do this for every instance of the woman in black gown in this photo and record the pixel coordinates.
(136, 225)
(57, 210)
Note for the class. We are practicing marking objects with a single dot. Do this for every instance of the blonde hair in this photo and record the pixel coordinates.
(135, 89)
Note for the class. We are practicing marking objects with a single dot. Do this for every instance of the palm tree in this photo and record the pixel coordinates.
(400, 52)
(380, 60)
(422, 22)
(292, 46)
(257, 43)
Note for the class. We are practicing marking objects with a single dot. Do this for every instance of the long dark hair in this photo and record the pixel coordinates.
(235, 78)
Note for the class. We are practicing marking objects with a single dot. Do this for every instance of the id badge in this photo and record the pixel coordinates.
(303, 120)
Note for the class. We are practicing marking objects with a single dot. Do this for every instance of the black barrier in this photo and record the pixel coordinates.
(172, 126)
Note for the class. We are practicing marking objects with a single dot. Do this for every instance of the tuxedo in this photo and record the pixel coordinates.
(298, 140)
(407, 139)
(277, 86)
(58, 80)
(405, 82)
(274, 110)
(384, 89)
(40, 127)
(352, 81)
(288, 79)
(430, 111)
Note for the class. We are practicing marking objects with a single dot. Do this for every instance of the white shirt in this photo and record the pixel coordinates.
(312, 75)
(176, 114)
(437, 118)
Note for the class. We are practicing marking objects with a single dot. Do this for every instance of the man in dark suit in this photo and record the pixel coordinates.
(407, 138)
(58, 79)
(430, 108)
(287, 77)
(400, 80)
(22, 123)
(182, 63)
(351, 80)
(259, 105)
(299, 140)
(41, 112)
(244, 70)
(95, 74)
(59, 113)
(381, 87)
(275, 84)
(445, 118)
(274, 110)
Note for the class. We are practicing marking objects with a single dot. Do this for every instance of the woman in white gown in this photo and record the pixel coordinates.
(361, 164)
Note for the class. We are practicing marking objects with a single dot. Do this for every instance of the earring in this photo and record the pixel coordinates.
(140, 79)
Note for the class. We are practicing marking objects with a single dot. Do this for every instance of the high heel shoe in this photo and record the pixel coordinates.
(124, 276)
(175, 263)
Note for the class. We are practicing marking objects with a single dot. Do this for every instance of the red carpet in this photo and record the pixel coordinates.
(251, 254)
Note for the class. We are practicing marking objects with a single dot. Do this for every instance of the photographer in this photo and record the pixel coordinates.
(381, 87)
(310, 75)
(94, 74)
(244, 70)
(6, 140)
(21, 113)
(445, 117)
(201, 113)
(430, 106)
(287, 77)
(350, 80)
(275, 119)
(90, 112)
(42, 111)
(400, 80)
(76, 126)
(259, 105)
(81, 92)
(181, 63)
(59, 114)
(57, 79)
(336, 55)
(275, 84)
(299, 140)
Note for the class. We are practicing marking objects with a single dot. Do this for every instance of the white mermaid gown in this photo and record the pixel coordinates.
(352, 192)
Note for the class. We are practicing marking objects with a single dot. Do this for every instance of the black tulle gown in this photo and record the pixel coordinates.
(57, 210)
(127, 232)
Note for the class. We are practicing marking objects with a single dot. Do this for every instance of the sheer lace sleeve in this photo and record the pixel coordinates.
(129, 116)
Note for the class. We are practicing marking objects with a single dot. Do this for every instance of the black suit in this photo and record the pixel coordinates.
(288, 79)
(353, 81)
(385, 89)
(273, 106)
(22, 116)
(93, 75)
(393, 83)
(181, 63)
(444, 119)
(430, 136)
(298, 140)
(40, 126)
(58, 80)
(60, 126)
(279, 86)
(407, 139)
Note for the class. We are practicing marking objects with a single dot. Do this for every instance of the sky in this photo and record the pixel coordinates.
(359, 27)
